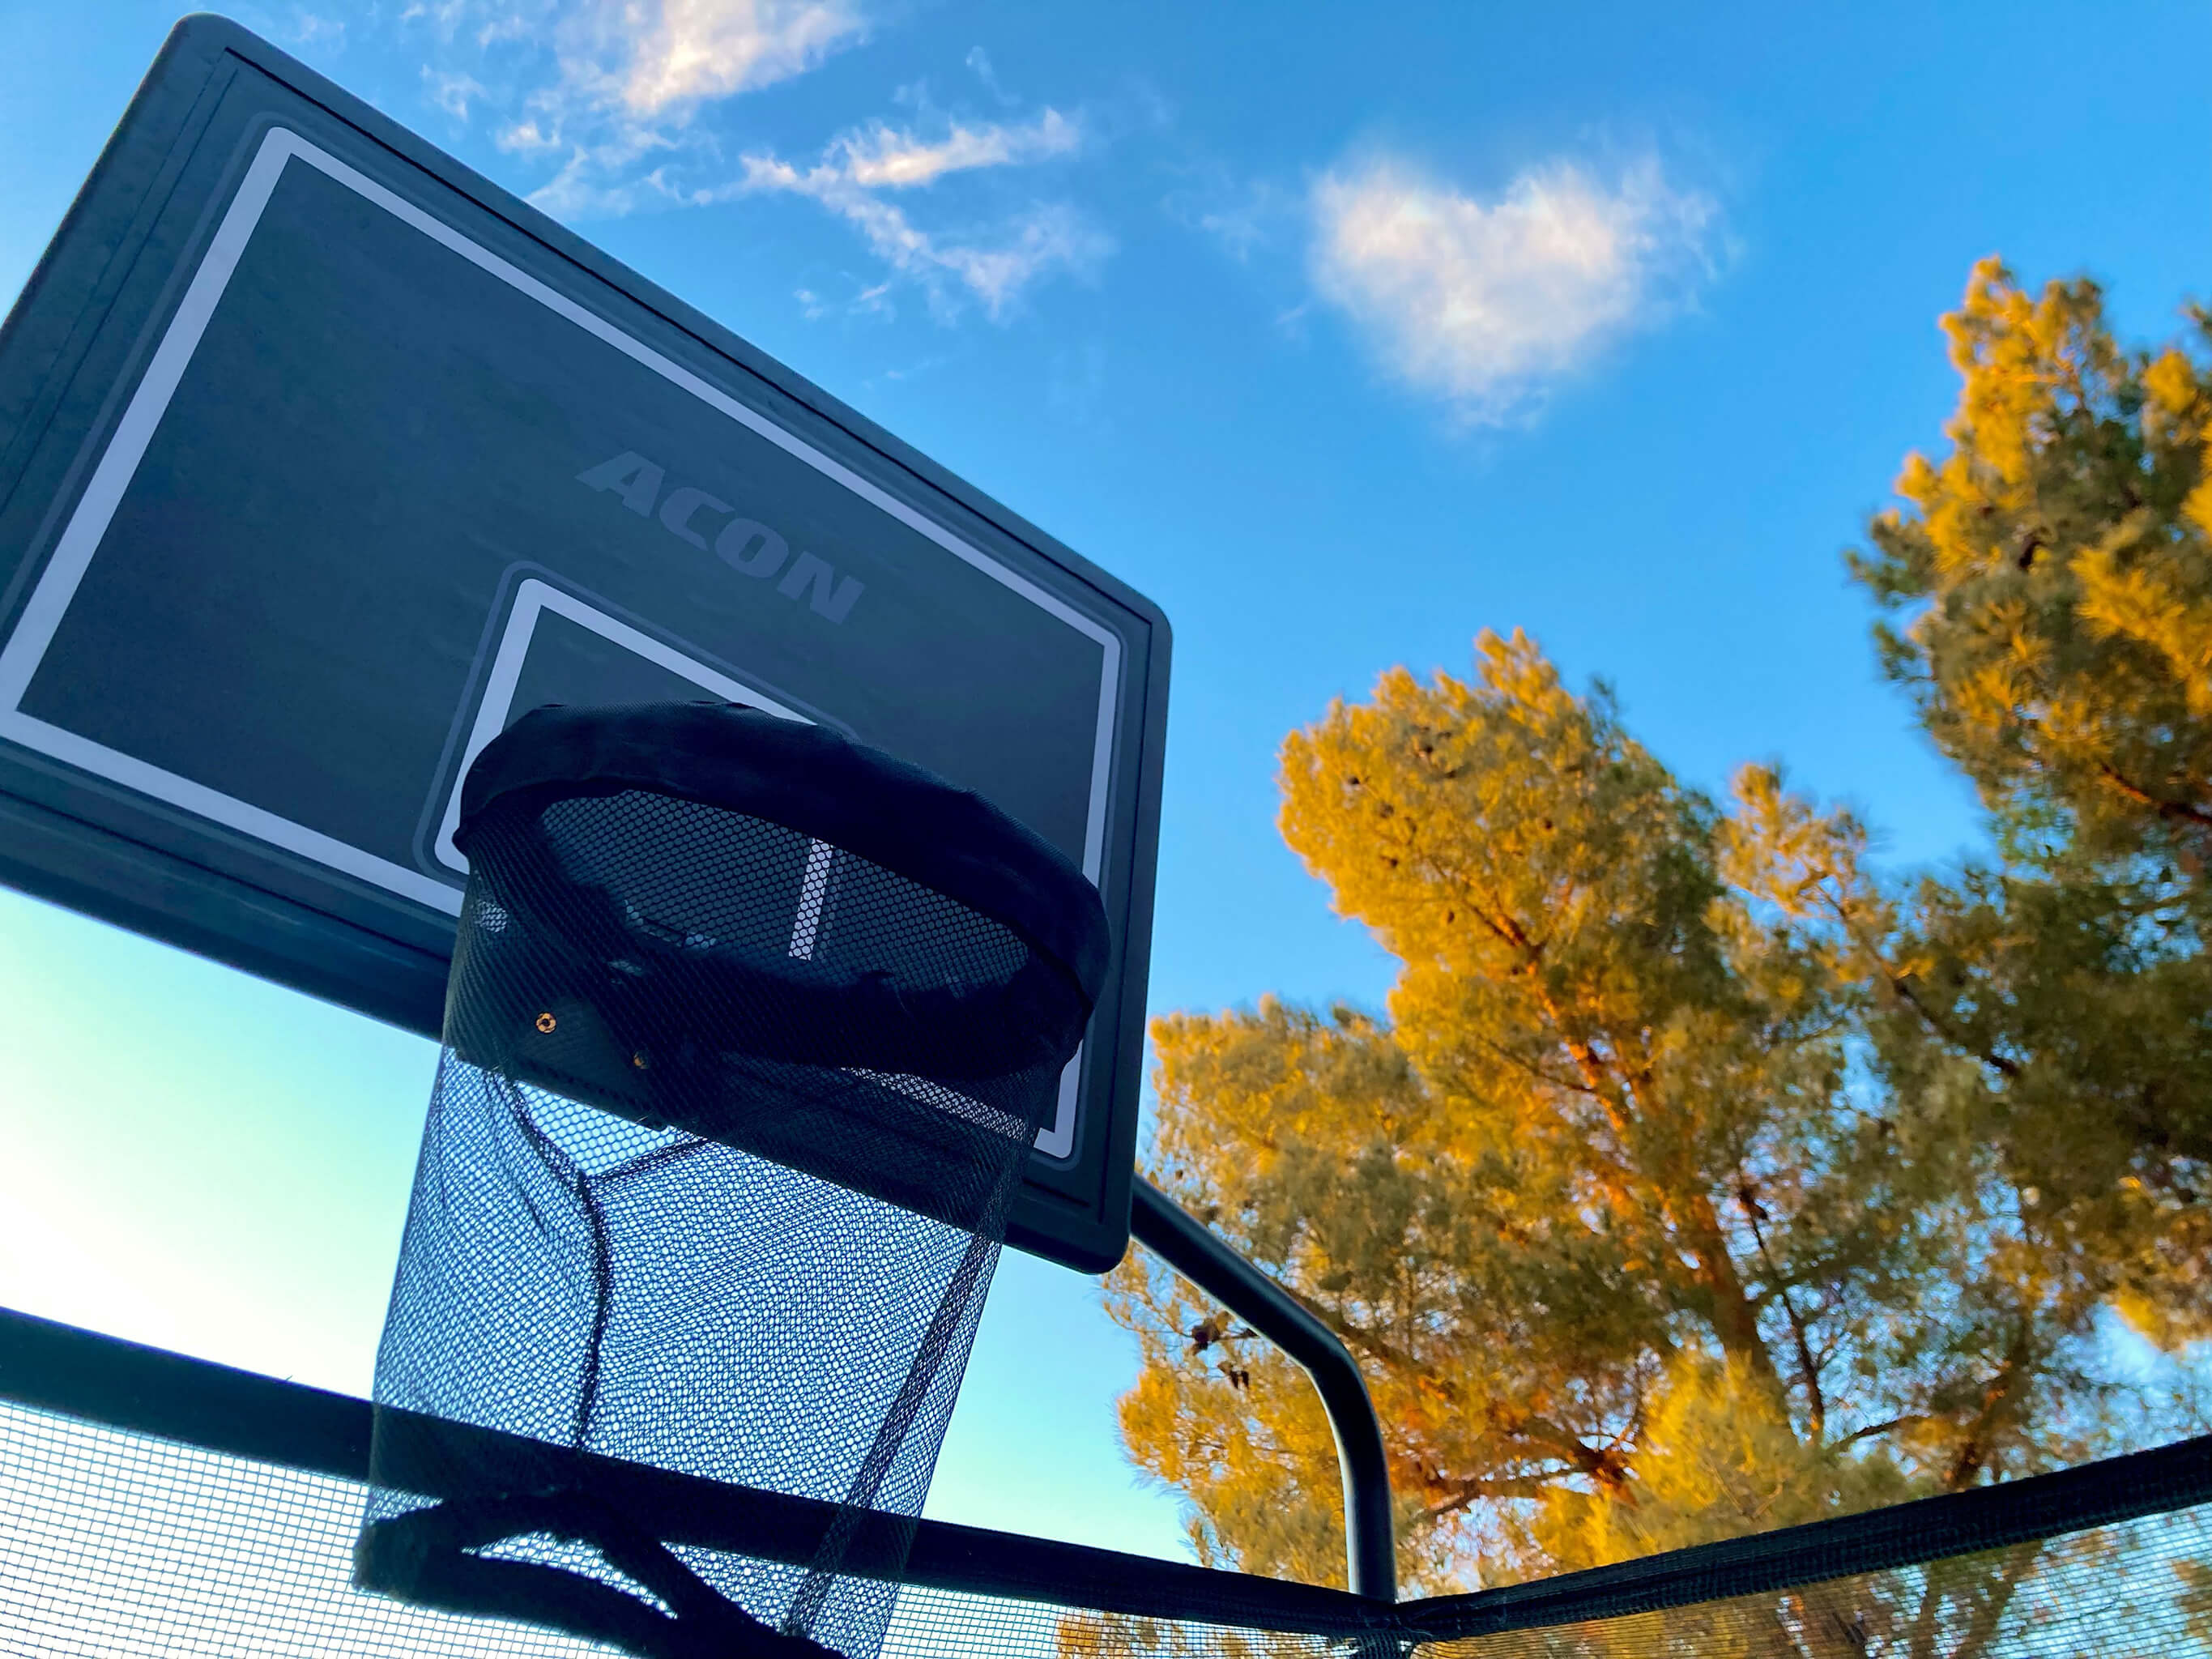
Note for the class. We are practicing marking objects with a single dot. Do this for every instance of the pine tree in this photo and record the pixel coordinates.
(2054, 575)
(1631, 1251)
(1695, 1181)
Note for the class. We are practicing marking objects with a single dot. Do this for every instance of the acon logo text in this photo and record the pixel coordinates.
(746, 545)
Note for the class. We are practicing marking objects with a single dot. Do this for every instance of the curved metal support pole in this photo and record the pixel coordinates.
(1179, 1239)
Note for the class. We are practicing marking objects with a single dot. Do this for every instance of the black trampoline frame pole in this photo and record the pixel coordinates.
(1182, 1241)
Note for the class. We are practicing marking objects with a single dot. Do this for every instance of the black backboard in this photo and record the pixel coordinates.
(322, 458)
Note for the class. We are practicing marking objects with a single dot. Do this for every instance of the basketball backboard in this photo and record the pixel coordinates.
(321, 459)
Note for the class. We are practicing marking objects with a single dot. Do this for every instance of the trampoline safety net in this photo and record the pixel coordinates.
(748, 1035)
(118, 1543)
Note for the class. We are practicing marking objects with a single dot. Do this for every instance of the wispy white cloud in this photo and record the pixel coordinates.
(529, 136)
(653, 57)
(313, 34)
(452, 91)
(868, 301)
(483, 23)
(884, 157)
(616, 104)
(1243, 214)
(979, 62)
(604, 179)
(689, 50)
(994, 265)
(1487, 302)
(659, 58)
(601, 86)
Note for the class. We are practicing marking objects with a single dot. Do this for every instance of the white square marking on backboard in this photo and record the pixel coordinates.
(532, 599)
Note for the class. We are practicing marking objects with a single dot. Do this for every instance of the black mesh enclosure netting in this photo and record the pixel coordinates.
(151, 1504)
(749, 1032)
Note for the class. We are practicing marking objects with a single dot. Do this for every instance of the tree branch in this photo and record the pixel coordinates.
(1735, 1322)
(1604, 1464)
(1816, 1405)
(1901, 986)
(1874, 1429)
(1998, 1396)
(2171, 810)
(1462, 1494)
(1983, 1624)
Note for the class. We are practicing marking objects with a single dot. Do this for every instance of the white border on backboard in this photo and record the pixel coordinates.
(79, 540)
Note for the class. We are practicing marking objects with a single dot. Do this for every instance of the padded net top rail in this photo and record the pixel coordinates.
(151, 1503)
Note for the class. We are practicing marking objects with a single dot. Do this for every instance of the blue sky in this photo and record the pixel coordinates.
(1342, 333)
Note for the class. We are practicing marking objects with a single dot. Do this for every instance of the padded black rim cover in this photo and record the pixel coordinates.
(812, 780)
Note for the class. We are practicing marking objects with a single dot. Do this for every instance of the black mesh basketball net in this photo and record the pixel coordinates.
(749, 1033)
